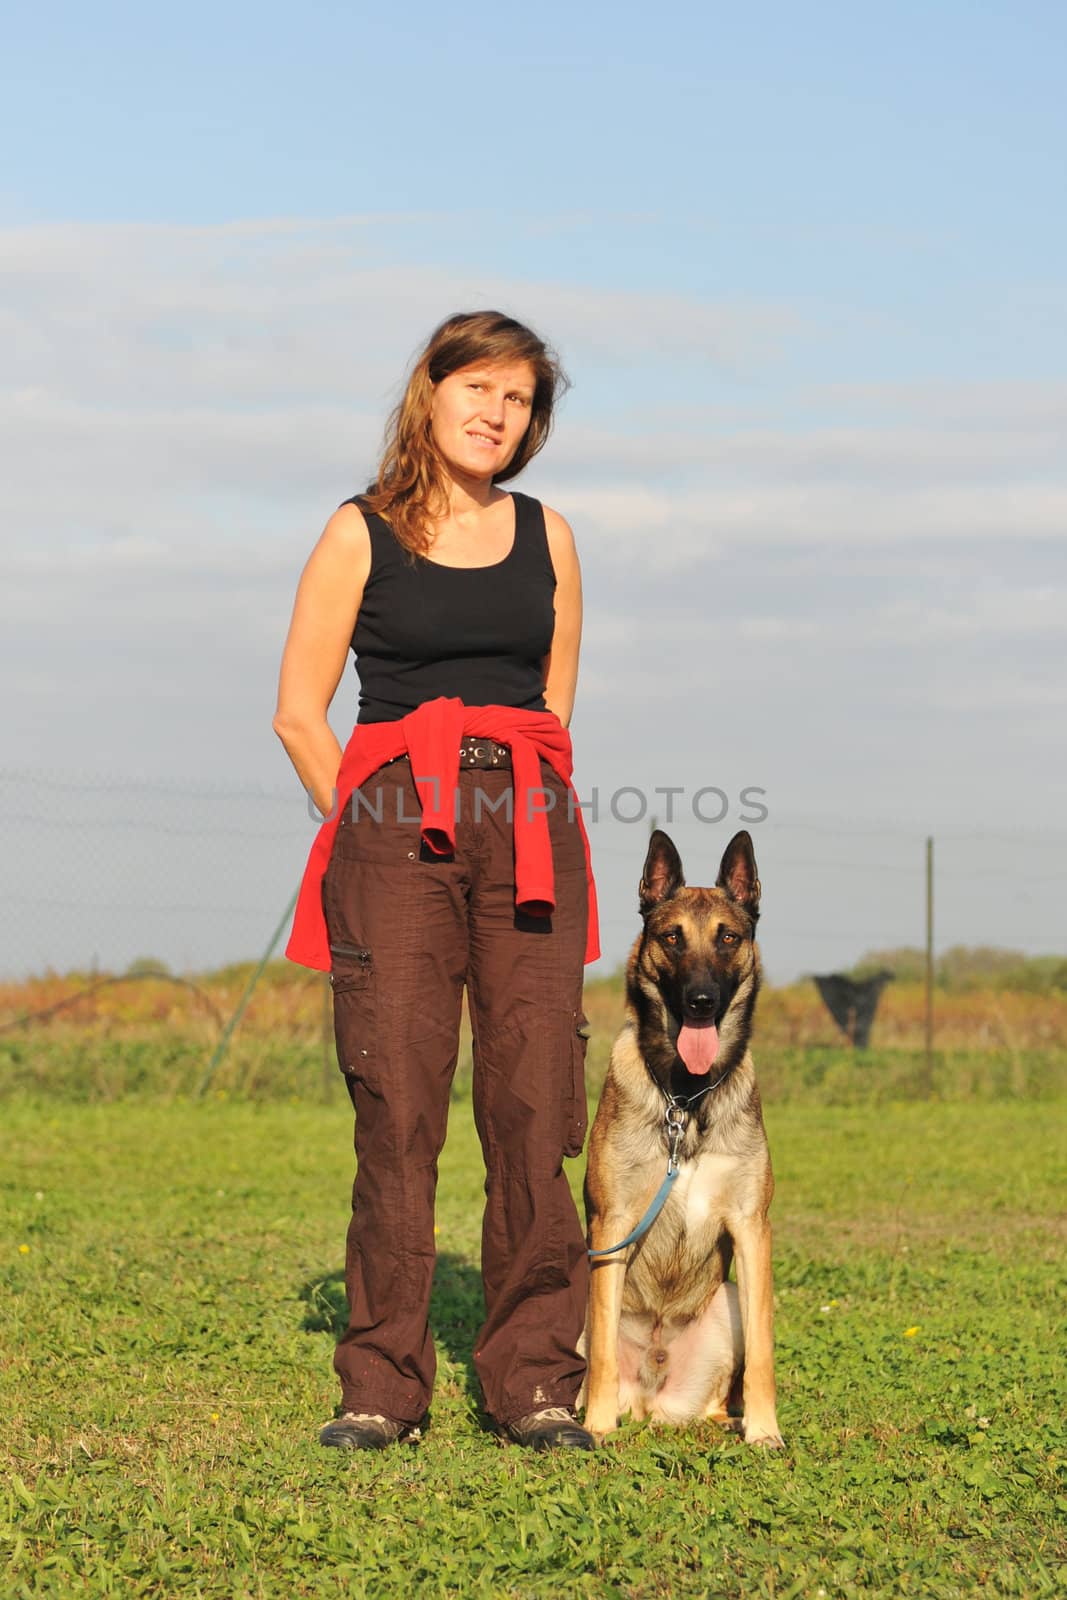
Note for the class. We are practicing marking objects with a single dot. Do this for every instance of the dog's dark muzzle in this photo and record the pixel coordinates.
(700, 1005)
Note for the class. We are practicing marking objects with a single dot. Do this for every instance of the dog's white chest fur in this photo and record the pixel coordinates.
(703, 1190)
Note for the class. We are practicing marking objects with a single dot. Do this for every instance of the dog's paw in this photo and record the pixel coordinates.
(600, 1423)
(765, 1435)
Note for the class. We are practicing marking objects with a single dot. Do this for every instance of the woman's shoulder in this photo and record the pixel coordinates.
(560, 537)
(346, 546)
(547, 537)
(557, 529)
(341, 559)
(380, 550)
(348, 528)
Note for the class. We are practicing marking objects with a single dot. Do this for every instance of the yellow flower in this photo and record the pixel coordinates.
(909, 1333)
(214, 1416)
(24, 1249)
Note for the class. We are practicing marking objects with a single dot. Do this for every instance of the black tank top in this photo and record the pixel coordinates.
(478, 633)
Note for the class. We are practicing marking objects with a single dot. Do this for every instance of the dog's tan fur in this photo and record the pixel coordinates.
(667, 1335)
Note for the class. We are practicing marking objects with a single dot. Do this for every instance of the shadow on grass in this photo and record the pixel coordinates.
(456, 1312)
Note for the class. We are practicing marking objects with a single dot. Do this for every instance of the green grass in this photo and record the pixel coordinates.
(165, 1346)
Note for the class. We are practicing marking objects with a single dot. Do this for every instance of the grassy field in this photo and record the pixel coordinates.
(172, 1281)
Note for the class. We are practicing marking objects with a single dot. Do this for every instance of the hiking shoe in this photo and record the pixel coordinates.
(554, 1427)
(358, 1430)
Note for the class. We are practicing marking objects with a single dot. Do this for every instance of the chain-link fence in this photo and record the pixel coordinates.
(100, 872)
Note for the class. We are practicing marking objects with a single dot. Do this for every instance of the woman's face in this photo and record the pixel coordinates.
(479, 416)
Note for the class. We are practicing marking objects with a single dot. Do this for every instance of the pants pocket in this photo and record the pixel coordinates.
(354, 1008)
(578, 1117)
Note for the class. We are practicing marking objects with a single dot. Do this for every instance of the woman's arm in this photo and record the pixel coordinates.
(560, 666)
(324, 614)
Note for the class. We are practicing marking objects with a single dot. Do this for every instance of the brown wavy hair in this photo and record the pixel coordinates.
(411, 487)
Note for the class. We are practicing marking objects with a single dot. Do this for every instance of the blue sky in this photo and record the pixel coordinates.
(914, 116)
(806, 268)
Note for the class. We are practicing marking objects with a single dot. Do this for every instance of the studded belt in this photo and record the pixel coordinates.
(477, 752)
(474, 751)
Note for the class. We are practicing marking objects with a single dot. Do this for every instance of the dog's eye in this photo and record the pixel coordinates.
(729, 938)
(672, 937)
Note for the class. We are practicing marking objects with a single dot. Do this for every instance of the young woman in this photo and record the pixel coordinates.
(454, 855)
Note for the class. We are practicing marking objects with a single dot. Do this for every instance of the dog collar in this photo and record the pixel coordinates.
(677, 1116)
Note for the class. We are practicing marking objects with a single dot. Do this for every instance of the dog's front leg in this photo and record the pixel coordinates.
(605, 1309)
(752, 1257)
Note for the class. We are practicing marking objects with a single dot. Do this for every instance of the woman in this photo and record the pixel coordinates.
(453, 856)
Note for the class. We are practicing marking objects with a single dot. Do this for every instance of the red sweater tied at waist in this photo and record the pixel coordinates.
(430, 736)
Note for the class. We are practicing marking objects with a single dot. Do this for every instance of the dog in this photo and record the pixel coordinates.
(667, 1336)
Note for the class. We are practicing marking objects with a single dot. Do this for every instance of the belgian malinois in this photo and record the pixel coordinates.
(667, 1336)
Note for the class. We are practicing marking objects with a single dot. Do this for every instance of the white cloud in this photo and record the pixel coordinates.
(1002, 692)
(233, 380)
(687, 522)
(269, 311)
(183, 408)
(874, 456)
(1014, 405)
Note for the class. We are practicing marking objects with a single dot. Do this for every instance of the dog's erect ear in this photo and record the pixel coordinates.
(662, 875)
(737, 873)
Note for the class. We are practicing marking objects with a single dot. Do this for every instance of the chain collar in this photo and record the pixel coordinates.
(676, 1116)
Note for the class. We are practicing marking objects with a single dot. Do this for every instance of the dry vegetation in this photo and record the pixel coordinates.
(290, 1003)
(102, 1037)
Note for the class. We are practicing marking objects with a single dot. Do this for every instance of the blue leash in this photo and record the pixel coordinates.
(646, 1221)
(677, 1120)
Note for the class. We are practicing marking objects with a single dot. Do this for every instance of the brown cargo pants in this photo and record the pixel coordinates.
(408, 929)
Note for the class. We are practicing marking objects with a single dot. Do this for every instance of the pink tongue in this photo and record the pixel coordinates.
(698, 1048)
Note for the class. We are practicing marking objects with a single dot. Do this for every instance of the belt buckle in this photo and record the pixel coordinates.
(475, 752)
